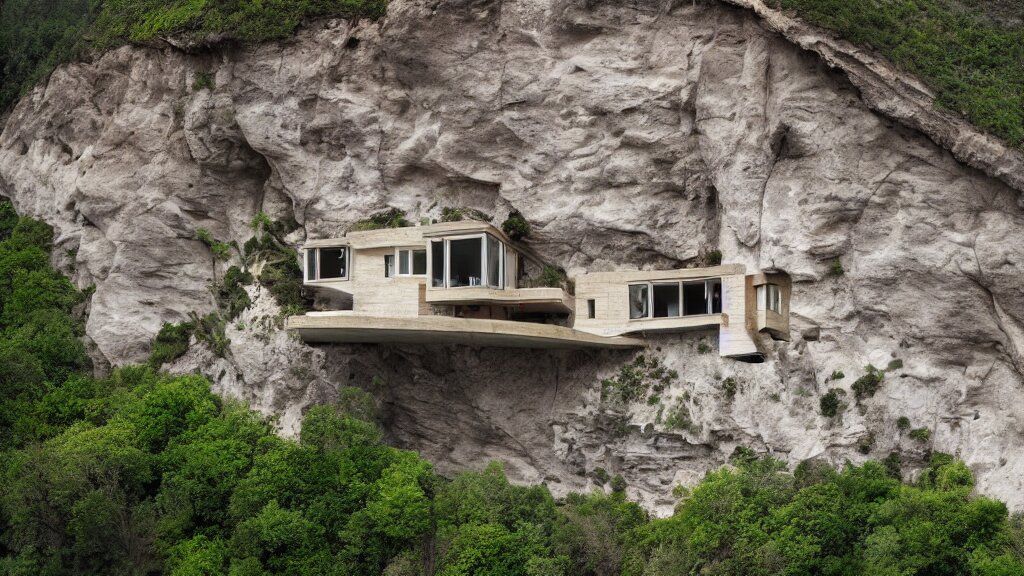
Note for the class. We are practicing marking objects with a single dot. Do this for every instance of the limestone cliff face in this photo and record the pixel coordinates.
(634, 135)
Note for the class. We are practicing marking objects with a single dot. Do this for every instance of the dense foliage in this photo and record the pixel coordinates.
(969, 51)
(36, 35)
(146, 473)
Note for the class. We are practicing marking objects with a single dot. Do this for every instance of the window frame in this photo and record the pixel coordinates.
(410, 250)
(484, 273)
(682, 302)
(769, 298)
(311, 279)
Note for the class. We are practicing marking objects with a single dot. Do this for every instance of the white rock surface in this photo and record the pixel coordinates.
(628, 135)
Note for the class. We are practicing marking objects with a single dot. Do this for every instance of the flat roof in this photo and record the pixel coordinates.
(352, 328)
(406, 235)
(624, 276)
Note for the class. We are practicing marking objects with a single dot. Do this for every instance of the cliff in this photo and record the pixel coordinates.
(639, 135)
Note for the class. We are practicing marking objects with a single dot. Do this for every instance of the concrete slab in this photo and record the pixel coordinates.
(350, 328)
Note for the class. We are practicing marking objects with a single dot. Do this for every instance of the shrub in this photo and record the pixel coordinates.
(618, 484)
(713, 258)
(703, 347)
(678, 418)
(837, 375)
(203, 81)
(552, 277)
(830, 404)
(515, 226)
(636, 379)
(390, 218)
(459, 214)
(894, 364)
(729, 387)
(600, 475)
(209, 330)
(893, 464)
(920, 434)
(170, 343)
(868, 384)
(835, 268)
(866, 443)
(903, 423)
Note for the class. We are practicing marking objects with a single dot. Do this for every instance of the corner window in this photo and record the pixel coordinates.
(675, 299)
(327, 264)
(411, 261)
(769, 297)
(467, 261)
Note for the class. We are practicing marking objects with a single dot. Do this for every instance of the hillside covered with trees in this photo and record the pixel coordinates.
(148, 473)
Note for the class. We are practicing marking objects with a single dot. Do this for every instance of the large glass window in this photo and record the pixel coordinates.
(465, 266)
(475, 261)
(437, 263)
(695, 298)
(311, 264)
(327, 264)
(769, 297)
(674, 299)
(638, 301)
(666, 300)
(333, 263)
(494, 276)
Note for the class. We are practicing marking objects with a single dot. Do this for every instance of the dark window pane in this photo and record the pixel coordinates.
(464, 265)
(715, 287)
(437, 264)
(591, 309)
(637, 301)
(666, 300)
(311, 264)
(695, 299)
(389, 265)
(493, 262)
(332, 263)
(419, 262)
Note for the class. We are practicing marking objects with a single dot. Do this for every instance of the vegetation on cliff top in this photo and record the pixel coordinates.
(37, 35)
(147, 473)
(970, 52)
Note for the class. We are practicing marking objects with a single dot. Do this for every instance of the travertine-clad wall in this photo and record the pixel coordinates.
(734, 337)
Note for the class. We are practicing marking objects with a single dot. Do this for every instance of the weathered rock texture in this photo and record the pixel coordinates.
(636, 134)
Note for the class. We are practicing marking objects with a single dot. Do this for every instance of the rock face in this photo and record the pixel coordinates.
(628, 135)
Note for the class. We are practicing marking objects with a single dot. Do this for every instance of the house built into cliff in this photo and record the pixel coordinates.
(468, 283)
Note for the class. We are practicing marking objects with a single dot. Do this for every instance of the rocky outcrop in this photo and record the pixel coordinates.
(636, 135)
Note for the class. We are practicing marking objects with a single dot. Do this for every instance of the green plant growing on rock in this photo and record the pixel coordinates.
(515, 226)
(636, 380)
(894, 465)
(203, 81)
(835, 268)
(922, 435)
(729, 387)
(894, 364)
(390, 218)
(869, 383)
(679, 418)
(209, 330)
(713, 257)
(449, 214)
(903, 423)
(170, 343)
(703, 347)
(600, 476)
(552, 277)
(866, 442)
(837, 375)
(830, 404)
(618, 484)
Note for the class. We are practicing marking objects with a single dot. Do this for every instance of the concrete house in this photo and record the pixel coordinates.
(467, 283)
(454, 282)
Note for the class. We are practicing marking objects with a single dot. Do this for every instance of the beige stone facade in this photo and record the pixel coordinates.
(472, 272)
